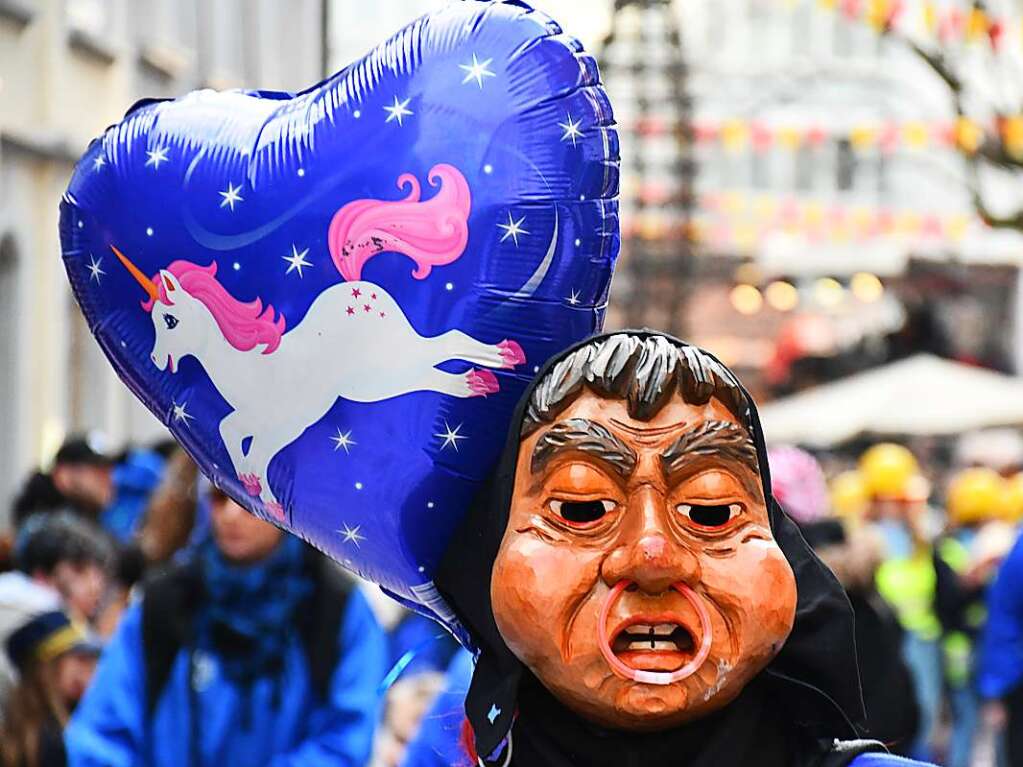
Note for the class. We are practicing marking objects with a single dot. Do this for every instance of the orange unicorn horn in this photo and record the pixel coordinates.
(145, 282)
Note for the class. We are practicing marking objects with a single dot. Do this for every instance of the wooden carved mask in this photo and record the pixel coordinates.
(638, 577)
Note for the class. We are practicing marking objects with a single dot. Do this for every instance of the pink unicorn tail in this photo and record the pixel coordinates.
(431, 233)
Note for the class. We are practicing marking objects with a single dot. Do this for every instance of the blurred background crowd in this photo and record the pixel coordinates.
(824, 193)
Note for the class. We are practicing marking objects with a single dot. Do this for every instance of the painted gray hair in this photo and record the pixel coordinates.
(643, 370)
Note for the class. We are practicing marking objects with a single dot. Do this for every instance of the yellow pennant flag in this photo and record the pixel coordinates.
(907, 223)
(930, 14)
(862, 137)
(915, 134)
(976, 25)
(764, 207)
(878, 12)
(745, 236)
(956, 226)
(862, 219)
(734, 134)
(813, 215)
(789, 138)
(733, 203)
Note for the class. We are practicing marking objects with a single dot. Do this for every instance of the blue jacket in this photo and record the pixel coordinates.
(110, 727)
(438, 742)
(1001, 648)
(422, 643)
(134, 480)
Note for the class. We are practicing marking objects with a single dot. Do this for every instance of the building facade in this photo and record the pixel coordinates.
(68, 69)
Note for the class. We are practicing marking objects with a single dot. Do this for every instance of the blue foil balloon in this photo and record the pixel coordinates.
(334, 299)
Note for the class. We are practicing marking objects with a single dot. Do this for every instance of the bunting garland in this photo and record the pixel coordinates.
(740, 221)
(738, 135)
(947, 24)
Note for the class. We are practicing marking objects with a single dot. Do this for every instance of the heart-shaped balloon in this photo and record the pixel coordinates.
(335, 298)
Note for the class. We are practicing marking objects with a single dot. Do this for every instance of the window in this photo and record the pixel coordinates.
(845, 165)
(93, 17)
(9, 404)
(883, 169)
(805, 158)
(802, 35)
(88, 373)
(169, 22)
(760, 176)
(843, 39)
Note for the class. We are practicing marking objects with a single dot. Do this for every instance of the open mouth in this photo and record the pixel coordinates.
(654, 646)
(658, 649)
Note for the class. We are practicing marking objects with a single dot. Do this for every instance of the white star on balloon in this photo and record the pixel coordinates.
(343, 440)
(571, 128)
(181, 414)
(94, 268)
(296, 260)
(231, 196)
(157, 156)
(398, 110)
(476, 71)
(450, 436)
(512, 229)
(98, 163)
(574, 298)
(351, 534)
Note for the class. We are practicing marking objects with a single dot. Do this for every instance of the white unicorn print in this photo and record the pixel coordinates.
(362, 345)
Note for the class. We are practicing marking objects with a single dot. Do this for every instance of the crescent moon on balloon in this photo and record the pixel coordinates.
(530, 286)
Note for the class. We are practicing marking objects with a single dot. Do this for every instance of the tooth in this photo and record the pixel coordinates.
(664, 629)
(653, 646)
(638, 628)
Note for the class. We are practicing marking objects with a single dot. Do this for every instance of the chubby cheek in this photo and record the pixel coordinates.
(756, 592)
(536, 590)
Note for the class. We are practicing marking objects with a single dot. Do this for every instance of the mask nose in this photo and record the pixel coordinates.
(647, 553)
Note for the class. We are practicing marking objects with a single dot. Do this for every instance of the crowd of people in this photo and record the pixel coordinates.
(147, 618)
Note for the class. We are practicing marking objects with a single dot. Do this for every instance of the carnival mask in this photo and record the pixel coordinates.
(638, 577)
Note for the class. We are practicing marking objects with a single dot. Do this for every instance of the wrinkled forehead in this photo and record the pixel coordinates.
(603, 429)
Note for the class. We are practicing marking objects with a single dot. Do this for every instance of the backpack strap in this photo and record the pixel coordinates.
(843, 752)
(322, 622)
(169, 602)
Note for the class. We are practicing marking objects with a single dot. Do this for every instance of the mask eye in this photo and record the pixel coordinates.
(170, 321)
(582, 512)
(717, 515)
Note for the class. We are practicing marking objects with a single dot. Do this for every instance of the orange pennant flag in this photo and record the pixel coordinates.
(968, 134)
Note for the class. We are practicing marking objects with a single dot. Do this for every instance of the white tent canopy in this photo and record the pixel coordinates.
(920, 395)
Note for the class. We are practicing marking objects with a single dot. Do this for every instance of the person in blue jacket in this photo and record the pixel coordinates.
(1000, 672)
(439, 740)
(255, 651)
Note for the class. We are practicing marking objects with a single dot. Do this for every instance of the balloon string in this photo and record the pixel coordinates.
(403, 663)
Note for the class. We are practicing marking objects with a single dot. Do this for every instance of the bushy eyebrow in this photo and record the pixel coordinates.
(711, 438)
(583, 435)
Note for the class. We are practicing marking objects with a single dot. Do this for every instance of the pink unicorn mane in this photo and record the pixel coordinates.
(431, 233)
(244, 325)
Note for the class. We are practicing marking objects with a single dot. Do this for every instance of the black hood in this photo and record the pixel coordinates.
(815, 672)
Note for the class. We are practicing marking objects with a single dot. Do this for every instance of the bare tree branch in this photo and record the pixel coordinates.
(990, 151)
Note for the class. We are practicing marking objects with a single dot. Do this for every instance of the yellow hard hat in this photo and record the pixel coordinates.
(975, 495)
(887, 469)
(850, 495)
(1012, 499)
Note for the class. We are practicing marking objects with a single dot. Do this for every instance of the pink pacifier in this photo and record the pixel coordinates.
(655, 677)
